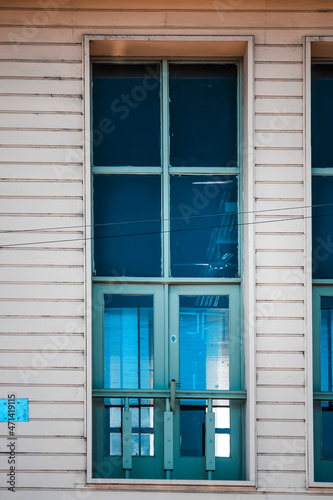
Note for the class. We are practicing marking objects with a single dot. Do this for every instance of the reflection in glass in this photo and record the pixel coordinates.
(204, 342)
(126, 115)
(322, 227)
(142, 427)
(326, 343)
(192, 428)
(321, 115)
(203, 115)
(327, 430)
(127, 226)
(204, 226)
(128, 342)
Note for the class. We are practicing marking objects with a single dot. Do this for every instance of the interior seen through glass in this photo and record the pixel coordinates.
(204, 364)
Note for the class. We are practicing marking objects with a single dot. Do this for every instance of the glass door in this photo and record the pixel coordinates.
(205, 359)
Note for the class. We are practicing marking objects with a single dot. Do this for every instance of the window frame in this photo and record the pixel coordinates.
(248, 275)
(317, 49)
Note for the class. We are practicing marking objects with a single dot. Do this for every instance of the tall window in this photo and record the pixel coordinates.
(322, 232)
(168, 390)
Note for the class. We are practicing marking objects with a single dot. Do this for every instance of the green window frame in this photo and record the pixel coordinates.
(322, 268)
(158, 302)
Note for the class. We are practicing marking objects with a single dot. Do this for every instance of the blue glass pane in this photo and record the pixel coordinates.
(204, 226)
(127, 226)
(327, 430)
(322, 227)
(126, 114)
(326, 343)
(204, 342)
(128, 342)
(203, 115)
(321, 115)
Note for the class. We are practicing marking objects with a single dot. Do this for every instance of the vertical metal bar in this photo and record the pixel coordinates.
(168, 439)
(173, 395)
(210, 439)
(127, 437)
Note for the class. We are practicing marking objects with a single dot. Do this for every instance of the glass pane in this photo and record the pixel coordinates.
(204, 226)
(127, 225)
(203, 115)
(192, 430)
(128, 342)
(142, 427)
(204, 342)
(126, 114)
(326, 343)
(222, 431)
(321, 115)
(322, 227)
(327, 430)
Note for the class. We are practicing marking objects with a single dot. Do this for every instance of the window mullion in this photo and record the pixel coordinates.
(165, 169)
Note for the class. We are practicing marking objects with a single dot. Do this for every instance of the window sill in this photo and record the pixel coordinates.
(169, 484)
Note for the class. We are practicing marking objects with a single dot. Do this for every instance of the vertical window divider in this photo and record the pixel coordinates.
(165, 170)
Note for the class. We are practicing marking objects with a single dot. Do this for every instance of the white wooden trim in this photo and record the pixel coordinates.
(248, 253)
(88, 266)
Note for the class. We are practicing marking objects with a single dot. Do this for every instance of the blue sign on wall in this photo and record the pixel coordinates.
(14, 410)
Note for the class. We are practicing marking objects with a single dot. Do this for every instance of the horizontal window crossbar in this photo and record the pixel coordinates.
(160, 394)
(323, 396)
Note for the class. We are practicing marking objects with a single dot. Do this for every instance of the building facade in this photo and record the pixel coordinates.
(166, 248)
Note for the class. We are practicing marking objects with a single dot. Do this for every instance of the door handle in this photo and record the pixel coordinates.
(173, 395)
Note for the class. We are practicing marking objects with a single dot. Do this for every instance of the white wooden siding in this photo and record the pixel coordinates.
(42, 277)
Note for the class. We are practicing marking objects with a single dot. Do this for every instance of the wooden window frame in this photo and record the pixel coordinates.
(246, 46)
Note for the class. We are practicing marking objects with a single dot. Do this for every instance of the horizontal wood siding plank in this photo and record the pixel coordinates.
(41, 69)
(41, 258)
(46, 291)
(31, 343)
(268, 325)
(273, 173)
(46, 462)
(283, 394)
(42, 325)
(42, 121)
(280, 411)
(43, 377)
(50, 358)
(56, 52)
(42, 138)
(41, 172)
(47, 393)
(52, 445)
(278, 70)
(277, 344)
(279, 292)
(269, 140)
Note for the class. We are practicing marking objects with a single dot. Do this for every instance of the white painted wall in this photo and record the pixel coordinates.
(42, 288)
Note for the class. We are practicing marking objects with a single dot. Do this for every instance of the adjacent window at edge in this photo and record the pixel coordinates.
(322, 267)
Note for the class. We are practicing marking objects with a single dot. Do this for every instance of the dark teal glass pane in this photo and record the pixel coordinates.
(128, 342)
(127, 225)
(326, 343)
(126, 114)
(203, 115)
(204, 342)
(204, 226)
(327, 430)
(321, 115)
(322, 227)
(192, 430)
